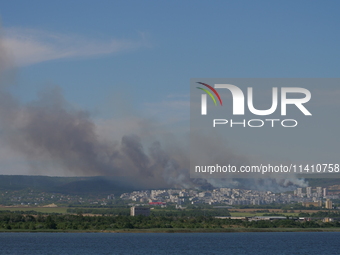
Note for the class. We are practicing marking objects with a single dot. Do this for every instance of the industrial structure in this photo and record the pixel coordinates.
(135, 211)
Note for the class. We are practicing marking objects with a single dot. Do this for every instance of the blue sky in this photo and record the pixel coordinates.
(140, 55)
(173, 42)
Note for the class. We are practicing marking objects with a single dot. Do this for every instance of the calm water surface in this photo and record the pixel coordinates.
(177, 243)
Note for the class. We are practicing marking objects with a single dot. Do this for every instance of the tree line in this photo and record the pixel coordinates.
(18, 221)
(157, 212)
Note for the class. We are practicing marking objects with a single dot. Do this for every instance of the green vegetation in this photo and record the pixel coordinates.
(100, 211)
(35, 210)
(295, 206)
(16, 221)
(321, 214)
(13, 221)
(166, 212)
(252, 214)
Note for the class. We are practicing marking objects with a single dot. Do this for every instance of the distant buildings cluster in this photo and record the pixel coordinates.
(317, 197)
(309, 196)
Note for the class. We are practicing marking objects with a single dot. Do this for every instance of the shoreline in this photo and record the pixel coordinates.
(199, 230)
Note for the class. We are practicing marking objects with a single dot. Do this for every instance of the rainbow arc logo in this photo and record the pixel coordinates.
(210, 94)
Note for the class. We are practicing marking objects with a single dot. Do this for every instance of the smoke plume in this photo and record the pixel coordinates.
(50, 134)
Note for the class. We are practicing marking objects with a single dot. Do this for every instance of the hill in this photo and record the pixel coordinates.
(66, 185)
(94, 185)
(322, 182)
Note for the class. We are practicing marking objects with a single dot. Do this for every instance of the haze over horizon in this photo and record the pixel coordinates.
(89, 90)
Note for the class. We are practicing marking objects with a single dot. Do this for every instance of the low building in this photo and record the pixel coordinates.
(135, 211)
(316, 204)
(327, 219)
(305, 219)
(231, 217)
(271, 218)
(328, 204)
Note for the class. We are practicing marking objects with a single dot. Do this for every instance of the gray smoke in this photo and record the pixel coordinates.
(49, 132)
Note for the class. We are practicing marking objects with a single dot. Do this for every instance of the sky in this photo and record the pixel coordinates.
(115, 59)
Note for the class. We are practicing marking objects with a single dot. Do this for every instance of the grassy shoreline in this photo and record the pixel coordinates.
(179, 230)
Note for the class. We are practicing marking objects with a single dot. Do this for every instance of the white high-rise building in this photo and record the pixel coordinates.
(299, 192)
(324, 192)
(309, 191)
(319, 191)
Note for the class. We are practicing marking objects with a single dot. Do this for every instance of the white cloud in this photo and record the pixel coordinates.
(28, 46)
